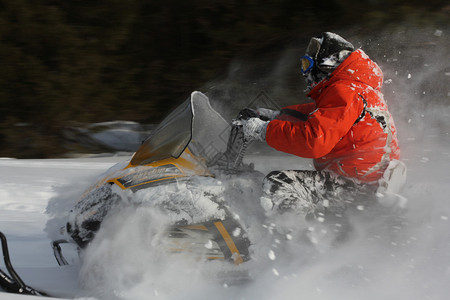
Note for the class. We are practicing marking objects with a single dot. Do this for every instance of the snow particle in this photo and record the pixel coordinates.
(271, 255)
(209, 244)
(266, 203)
(288, 237)
(424, 159)
(409, 76)
(360, 207)
(445, 218)
(275, 272)
(237, 232)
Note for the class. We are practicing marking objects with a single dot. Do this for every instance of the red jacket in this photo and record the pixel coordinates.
(348, 128)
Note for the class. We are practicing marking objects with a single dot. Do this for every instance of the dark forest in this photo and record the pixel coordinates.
(70, 62)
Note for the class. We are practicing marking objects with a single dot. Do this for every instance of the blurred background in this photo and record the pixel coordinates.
(66, 64)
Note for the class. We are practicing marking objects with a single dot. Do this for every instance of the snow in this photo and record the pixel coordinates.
(408, 259)
(401, 255)
(27, 186)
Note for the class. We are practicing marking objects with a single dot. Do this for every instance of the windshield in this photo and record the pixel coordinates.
(194, 124)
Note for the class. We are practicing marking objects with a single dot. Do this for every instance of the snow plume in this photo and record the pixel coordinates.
(127, 261)
(130, 257)
(402, 255)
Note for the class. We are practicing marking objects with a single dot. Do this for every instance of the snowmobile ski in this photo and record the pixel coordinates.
(12, 283)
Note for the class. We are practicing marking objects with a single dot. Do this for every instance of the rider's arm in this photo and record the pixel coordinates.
(305, 108)
(336, 113)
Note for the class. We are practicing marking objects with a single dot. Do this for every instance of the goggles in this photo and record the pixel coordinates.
(307, 61)
(306, 64)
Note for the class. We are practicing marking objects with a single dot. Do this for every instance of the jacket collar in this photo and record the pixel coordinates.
(357, 67)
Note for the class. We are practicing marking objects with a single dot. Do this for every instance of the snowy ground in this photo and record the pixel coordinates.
(404, 256)
(27, 186)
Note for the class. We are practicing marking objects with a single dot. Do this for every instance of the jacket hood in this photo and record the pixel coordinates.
(356, 67)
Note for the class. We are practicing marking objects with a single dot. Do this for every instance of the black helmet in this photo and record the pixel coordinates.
(323, 54)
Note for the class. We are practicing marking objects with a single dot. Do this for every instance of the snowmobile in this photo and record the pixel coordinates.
(192, 142)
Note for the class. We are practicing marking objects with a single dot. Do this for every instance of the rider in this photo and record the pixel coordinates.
(347, 130)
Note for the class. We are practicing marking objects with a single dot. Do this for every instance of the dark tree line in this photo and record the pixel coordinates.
(70, 61)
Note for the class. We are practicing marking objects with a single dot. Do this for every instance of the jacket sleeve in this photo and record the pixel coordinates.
(295, 113)
(305, 108)
(337, 110)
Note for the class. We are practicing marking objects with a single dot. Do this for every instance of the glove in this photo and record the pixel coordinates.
(253, 128)
(247, 113)
(264, 114)
(268, 114)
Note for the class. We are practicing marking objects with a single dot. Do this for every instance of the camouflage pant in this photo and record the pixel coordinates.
(311, 192)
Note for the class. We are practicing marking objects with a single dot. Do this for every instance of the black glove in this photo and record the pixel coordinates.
(247, 113)
(260, 113)
(267, 113)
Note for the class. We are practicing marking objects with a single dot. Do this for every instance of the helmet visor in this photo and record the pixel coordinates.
(306, 64)
(313, 47)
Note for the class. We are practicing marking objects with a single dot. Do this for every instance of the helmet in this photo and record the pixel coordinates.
(323, 55)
